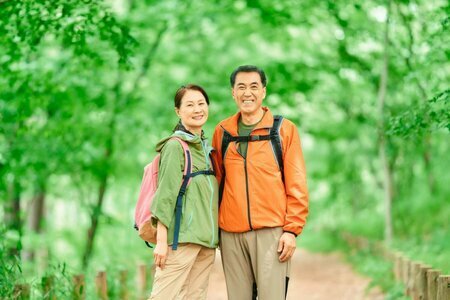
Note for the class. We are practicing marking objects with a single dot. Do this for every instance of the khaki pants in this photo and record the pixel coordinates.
(185, 275)
(250, 258)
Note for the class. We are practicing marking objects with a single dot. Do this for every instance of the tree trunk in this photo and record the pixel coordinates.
(36, 215)
(382, 141)
(12, 216)
(119, 102)
(426, 140)
(94, 219)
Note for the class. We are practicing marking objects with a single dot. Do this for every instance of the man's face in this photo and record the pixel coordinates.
(248, 92)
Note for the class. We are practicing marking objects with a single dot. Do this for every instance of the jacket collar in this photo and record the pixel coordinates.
(180, 127)
(231, 124)
(193, 140)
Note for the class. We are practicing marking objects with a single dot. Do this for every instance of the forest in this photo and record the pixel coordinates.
(86, 92)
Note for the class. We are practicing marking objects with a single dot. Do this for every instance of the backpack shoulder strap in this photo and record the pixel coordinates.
(182, 191)
(226, 139)
(276, 142)
(187, 156)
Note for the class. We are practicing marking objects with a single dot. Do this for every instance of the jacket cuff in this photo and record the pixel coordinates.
(290, 232)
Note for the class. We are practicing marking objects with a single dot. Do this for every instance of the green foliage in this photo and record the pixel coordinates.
(87, 90)
(369, 264)
(10, 273)
(430, 249)
(428, 117)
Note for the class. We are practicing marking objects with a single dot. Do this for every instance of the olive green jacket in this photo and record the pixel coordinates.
(200, 203)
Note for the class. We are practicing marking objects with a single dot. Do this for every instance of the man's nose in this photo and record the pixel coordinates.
(247, 92)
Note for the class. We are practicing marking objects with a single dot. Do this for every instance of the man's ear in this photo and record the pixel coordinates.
(264, 92)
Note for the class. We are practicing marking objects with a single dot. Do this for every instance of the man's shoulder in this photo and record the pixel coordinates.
(288, 129)
(225, 122)
(286, 123)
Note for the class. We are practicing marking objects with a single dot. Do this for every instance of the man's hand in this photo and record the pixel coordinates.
(160, 254)
(286, 246)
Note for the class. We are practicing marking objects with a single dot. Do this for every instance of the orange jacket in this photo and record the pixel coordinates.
(254, 195)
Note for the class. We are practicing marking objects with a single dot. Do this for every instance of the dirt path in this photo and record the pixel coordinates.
(313, 277)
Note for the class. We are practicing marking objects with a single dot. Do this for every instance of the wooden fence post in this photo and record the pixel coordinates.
(41, 260)
(78, 292)
(123, 294)
(443, 292)
(101, 286)
(47, 287)
(21, 291)
(142, 280)
(406, 272)
(398, 267)
(404, 269)
(432, 277)
(414, 283)
(422, 282)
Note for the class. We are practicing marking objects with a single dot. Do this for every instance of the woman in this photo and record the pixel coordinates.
(184, 273)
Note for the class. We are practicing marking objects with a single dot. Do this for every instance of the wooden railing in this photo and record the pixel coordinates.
(420, 281)
(140, 291)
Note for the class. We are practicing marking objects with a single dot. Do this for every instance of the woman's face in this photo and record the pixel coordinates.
(193, 111)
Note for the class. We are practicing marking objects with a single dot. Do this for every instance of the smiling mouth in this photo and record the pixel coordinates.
(197, 117)
(247, 101)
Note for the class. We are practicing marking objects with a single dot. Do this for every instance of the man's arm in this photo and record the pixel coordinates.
(296, 191)
(295, 181)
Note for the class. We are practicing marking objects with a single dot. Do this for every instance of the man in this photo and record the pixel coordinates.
(262, 211)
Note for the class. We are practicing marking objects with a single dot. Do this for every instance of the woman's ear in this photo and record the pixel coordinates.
(177, 111)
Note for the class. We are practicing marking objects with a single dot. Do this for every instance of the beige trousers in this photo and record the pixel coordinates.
(185, 275)
(251, 259)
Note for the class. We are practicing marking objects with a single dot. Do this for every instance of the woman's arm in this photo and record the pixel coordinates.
(161, 248)
(170, 177)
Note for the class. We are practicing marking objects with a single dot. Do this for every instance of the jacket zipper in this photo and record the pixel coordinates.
(246, 190)
(246, 181)
(211, 198)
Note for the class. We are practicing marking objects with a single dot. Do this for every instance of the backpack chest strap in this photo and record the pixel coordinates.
(248, 138)
(202, 172)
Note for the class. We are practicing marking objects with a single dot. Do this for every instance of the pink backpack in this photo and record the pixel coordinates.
(142, 214)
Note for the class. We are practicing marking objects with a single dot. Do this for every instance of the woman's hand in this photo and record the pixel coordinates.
(161, 250)
(160, 254)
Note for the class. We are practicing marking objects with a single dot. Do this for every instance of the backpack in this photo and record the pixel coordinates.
(273, 136)
(149, 185)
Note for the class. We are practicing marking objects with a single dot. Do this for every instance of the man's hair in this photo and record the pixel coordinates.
(248, 69)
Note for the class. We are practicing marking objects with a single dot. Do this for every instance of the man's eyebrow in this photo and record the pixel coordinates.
(252, 83)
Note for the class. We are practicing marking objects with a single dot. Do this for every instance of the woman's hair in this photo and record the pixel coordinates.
(179, 96)
(184, 88)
